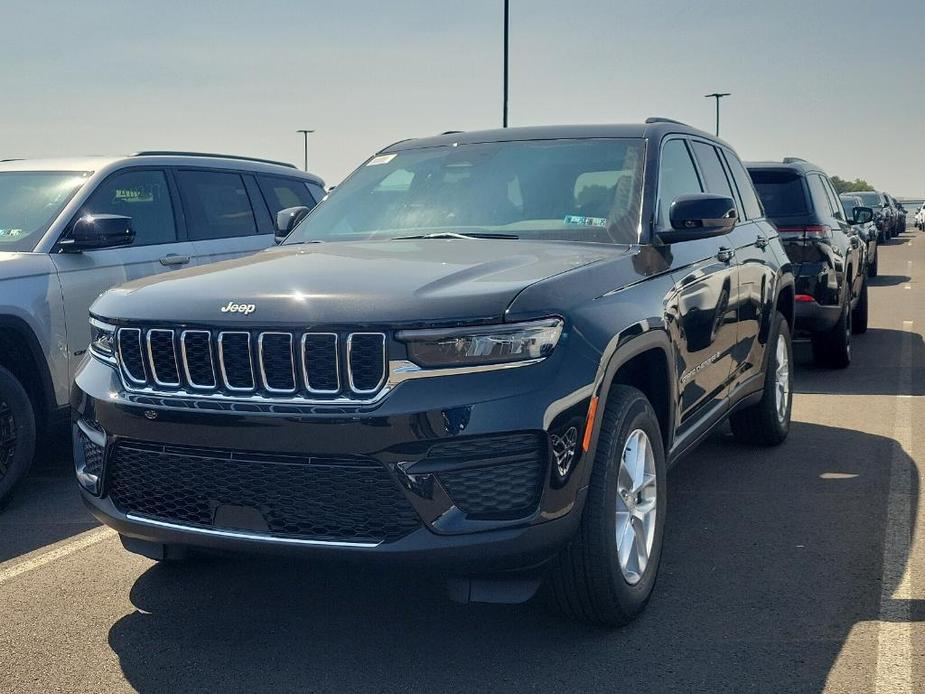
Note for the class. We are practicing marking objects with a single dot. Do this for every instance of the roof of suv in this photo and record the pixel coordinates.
(653, 127)
(163, 158)
(792, 163)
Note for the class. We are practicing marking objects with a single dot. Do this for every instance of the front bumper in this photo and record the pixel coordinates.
(545, 400)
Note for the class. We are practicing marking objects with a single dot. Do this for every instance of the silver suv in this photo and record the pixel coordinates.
(72, 228)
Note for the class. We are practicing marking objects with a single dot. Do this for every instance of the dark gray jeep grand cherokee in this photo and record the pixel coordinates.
(481, 352)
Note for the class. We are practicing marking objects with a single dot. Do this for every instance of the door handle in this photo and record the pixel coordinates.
(725, 254)
(761, 242)
(174, 259)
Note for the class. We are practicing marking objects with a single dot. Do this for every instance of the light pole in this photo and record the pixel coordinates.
(717, 96)
(305, 138)
(506, 24)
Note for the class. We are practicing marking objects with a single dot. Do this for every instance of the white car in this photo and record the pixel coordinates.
(920, 218)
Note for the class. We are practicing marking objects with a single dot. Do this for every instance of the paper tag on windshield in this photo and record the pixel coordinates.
(586, 221)
(380, 159)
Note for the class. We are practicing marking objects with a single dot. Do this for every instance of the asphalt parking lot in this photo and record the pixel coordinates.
(798, 568)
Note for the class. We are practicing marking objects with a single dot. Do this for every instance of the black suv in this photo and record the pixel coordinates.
(826, 251)
(884, 215)
(480, 352)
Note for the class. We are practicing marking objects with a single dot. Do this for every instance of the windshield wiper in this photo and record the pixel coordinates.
(458, 235)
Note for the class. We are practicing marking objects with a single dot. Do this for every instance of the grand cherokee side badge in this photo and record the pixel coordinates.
(232, 307)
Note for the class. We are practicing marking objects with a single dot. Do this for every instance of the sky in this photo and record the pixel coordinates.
(840, 83)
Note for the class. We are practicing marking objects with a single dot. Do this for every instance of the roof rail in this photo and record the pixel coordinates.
(13, 159)
(451, 132)
(794, 160)
(168, 153)
(659, 119)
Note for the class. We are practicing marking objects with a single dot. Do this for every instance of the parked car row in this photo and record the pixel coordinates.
(480, 353)
(889, 214)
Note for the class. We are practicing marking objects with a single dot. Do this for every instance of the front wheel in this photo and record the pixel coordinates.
(17, 434)
(873, 269)
(767, 422)
(607, 572)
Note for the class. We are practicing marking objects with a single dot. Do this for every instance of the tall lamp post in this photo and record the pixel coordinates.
(305, 139)
(506, 25)
(717, 96)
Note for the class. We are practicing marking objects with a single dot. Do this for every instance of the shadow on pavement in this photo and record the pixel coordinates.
(771, 556)
(887, 280)
(879, 351)
(46, 508)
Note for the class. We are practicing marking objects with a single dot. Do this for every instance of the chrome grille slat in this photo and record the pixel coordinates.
(222, 361)
(185, 353)
(307, 358)
(131, 355)
(265, 350)
(169, 369)
(261, 365)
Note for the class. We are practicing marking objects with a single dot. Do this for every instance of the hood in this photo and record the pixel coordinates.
(409, 282)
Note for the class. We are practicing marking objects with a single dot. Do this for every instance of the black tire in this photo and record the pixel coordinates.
(585, 581)
(859, 314)
(874, 267)
(833, 347)
(17, 435)
(762, 424)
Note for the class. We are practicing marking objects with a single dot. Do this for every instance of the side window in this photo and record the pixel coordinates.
(746, 189)
(676, 176)
(216, 204)
(142, 195)
(833, 198)
(281, 193)
(714, 177)
(317, 191)
(821, 201)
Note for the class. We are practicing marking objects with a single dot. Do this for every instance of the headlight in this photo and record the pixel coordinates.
(102, 340)
(493, 344)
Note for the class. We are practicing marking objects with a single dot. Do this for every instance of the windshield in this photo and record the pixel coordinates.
(29, 203)
(582, 190)
(850, 203)
(870, 198)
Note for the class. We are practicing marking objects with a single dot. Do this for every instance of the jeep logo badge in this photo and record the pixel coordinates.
(232, 307)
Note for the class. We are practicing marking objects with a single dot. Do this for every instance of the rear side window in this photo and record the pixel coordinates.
(781, 192)
(141, 195)
(217, 205)
(714, 177)
(746, 189)
(676, 176)
(281, 193)
(821, 201)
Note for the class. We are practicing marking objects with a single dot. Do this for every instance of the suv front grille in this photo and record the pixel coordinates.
(270, 364)
(328, 499)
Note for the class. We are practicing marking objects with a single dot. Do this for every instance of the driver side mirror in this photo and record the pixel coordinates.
(862, 215)
(699, 216)
(99, 231)
(287, 219)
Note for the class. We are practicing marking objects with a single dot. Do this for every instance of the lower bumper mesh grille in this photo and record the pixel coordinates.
(351, 500)
(496, 476)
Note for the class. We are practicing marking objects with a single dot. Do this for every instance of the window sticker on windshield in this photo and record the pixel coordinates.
(586, 221)
(381, 159)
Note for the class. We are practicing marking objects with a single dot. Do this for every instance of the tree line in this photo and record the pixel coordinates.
(843, 186)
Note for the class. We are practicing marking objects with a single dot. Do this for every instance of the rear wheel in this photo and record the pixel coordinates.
(17, 434)
(833, 347)
(859, 314)
(607, 573)
(873, 268)
(767, 422)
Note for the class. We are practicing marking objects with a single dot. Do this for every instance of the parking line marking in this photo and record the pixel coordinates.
(77, 543)
(894, 633)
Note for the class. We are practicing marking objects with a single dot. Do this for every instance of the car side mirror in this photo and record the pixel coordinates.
(287, 219)
(99, 231)
(862, 215)
(699, 216)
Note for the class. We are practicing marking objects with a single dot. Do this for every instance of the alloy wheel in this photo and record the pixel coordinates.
(636, 506)
(782, 379)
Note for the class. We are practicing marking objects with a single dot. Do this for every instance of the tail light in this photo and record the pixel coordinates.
(816, 230)
(803, 298)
